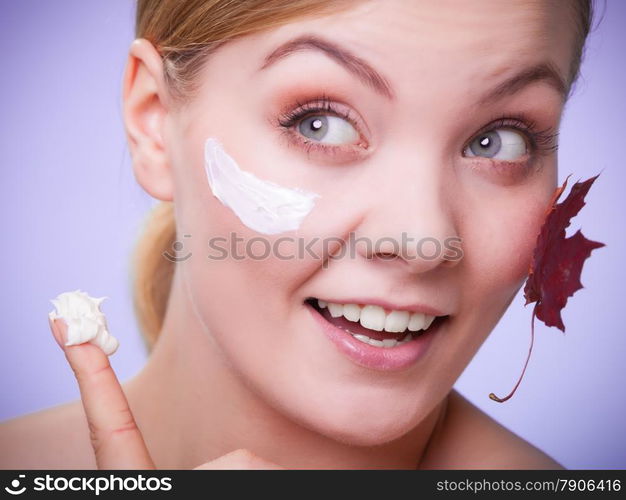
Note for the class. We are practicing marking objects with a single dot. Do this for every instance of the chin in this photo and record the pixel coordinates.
(374, 434)
(360, 425)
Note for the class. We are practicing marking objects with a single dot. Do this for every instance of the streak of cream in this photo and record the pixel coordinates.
(261, 205)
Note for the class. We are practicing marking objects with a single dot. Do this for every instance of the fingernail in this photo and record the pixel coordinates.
(57, 327)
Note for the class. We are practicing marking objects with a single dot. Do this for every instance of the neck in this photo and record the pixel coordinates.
(192, 408)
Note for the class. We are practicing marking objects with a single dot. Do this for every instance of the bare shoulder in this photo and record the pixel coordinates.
(468, 438)
(54, 438)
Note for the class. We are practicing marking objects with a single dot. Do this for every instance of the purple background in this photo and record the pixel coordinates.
(71, 211)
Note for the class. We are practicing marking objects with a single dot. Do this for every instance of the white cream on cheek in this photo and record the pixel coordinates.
(261, 205)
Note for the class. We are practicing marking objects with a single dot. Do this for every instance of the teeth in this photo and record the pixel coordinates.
(375, 318)
(352, 312)
(416, 322)
(428, 321)
(382, 343)
(397, 321)
(336, 310)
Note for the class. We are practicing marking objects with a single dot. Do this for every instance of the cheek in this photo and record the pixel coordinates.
(499, 251)
(499, 240)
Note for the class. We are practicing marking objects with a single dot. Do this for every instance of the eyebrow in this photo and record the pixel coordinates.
(543, 72)
(352, 63)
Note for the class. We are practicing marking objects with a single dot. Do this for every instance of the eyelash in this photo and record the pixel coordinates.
(541, 142)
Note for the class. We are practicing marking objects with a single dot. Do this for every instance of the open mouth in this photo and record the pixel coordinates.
(375, 326)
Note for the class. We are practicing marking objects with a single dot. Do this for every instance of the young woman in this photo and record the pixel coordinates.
(427, 129)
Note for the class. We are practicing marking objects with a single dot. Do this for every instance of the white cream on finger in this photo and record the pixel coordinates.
(261, 205)
(85, 321)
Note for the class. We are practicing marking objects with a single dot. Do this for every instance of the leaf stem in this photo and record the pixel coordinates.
(492, 396)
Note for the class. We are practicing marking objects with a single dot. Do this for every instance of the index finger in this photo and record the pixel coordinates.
(115, 437)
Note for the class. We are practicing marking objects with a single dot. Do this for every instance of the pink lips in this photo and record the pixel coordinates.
(378, 358)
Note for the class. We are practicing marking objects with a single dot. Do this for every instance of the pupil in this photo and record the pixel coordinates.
(485, 142)
(314, 127)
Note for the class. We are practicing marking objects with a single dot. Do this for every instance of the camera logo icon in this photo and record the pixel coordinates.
(15, 484)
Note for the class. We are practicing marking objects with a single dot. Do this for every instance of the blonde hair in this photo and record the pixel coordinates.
(185, 32)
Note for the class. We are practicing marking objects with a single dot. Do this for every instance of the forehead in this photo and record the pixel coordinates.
(442, 42)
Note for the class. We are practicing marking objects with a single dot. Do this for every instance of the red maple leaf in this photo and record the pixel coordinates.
(557, 262)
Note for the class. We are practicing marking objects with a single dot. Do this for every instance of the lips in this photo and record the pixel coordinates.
(341, 332)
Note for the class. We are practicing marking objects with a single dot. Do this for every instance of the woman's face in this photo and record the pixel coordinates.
(439, 125)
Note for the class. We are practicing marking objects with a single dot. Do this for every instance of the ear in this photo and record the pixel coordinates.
(145, 107)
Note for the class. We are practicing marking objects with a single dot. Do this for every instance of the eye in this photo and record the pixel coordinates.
(500, 144)
(328, 129)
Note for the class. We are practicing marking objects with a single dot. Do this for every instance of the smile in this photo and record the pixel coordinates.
(374, 336)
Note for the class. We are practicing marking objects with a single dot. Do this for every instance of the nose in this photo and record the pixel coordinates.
(410, 219)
